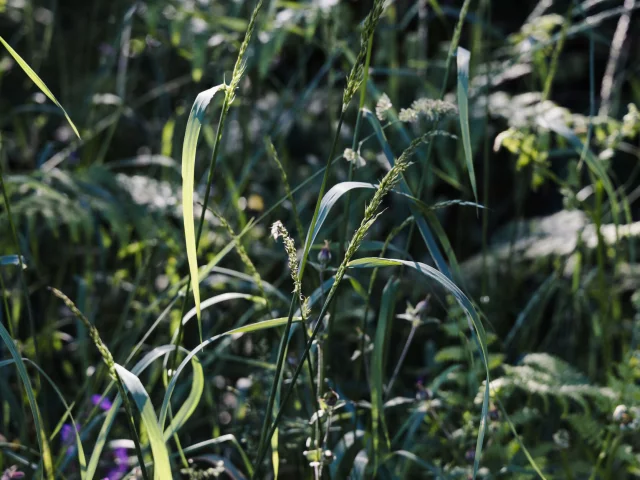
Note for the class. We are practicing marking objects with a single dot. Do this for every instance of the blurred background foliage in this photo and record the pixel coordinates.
(550, 260)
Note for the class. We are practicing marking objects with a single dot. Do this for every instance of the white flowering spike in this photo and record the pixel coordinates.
(354, 157)
(276, 230)
(408, 115)
(383, 106)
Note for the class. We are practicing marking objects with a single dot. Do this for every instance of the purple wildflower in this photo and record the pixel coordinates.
(121, 459)
(12, 473)
(104, 403)
(67, 436)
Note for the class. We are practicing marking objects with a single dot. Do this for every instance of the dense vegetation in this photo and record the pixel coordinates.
(319, 239)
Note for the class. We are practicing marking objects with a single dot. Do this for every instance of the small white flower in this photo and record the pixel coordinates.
(621, 413)
(354, 157)
(408, 115)
(276, 230)
(383, 106)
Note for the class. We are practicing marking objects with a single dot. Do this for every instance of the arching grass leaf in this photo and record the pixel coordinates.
(161, 464)
(191, 134)
(38, 81)
(471, 314)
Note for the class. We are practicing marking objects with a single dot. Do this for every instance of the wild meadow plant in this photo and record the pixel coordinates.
(302, 366)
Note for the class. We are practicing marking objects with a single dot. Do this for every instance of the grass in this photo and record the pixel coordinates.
(233, 357)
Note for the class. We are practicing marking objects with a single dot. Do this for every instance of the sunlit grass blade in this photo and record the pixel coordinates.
(115, 407)
(471, 314)
(38, 81)
(190, 403)
(41, 435)
(191, 134)
(463, 56)
(378, 425)
(161, 464)
(254, 327)
(223, 297)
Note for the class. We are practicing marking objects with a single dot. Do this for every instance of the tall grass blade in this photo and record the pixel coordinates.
(38, 81)
(190, 403)
(43, 443)
(192, 132)
(161, 464)
(463, 56)
(378, 424)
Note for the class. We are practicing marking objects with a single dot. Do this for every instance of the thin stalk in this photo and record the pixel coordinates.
(287, 330)
(132, 426)
(556, 55)
(23, 281)
(384, 187)
(354, 143)
(405, 350)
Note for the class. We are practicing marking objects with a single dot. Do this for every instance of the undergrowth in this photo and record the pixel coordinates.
(297, 273)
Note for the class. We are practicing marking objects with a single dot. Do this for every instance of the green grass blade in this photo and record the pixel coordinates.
(469, 310)
(113, 411)
(38, 81)
(191, 134)
(421, 223)
(223, 297)
(463, 56)
(385, 318)
(161, 464)
(512, 427)
(43, 443)
(190, 403)
(81, 457)
(254, 327)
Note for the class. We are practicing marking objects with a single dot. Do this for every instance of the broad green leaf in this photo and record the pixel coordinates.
(470, 312)
(43, 443)
(161, 464)
(463, 57)
(191, 134)
(385, 318)
(38, 81)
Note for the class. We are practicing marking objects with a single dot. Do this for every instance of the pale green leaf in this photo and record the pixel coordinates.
(191, 134)
(463, 57)
(161, 464)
